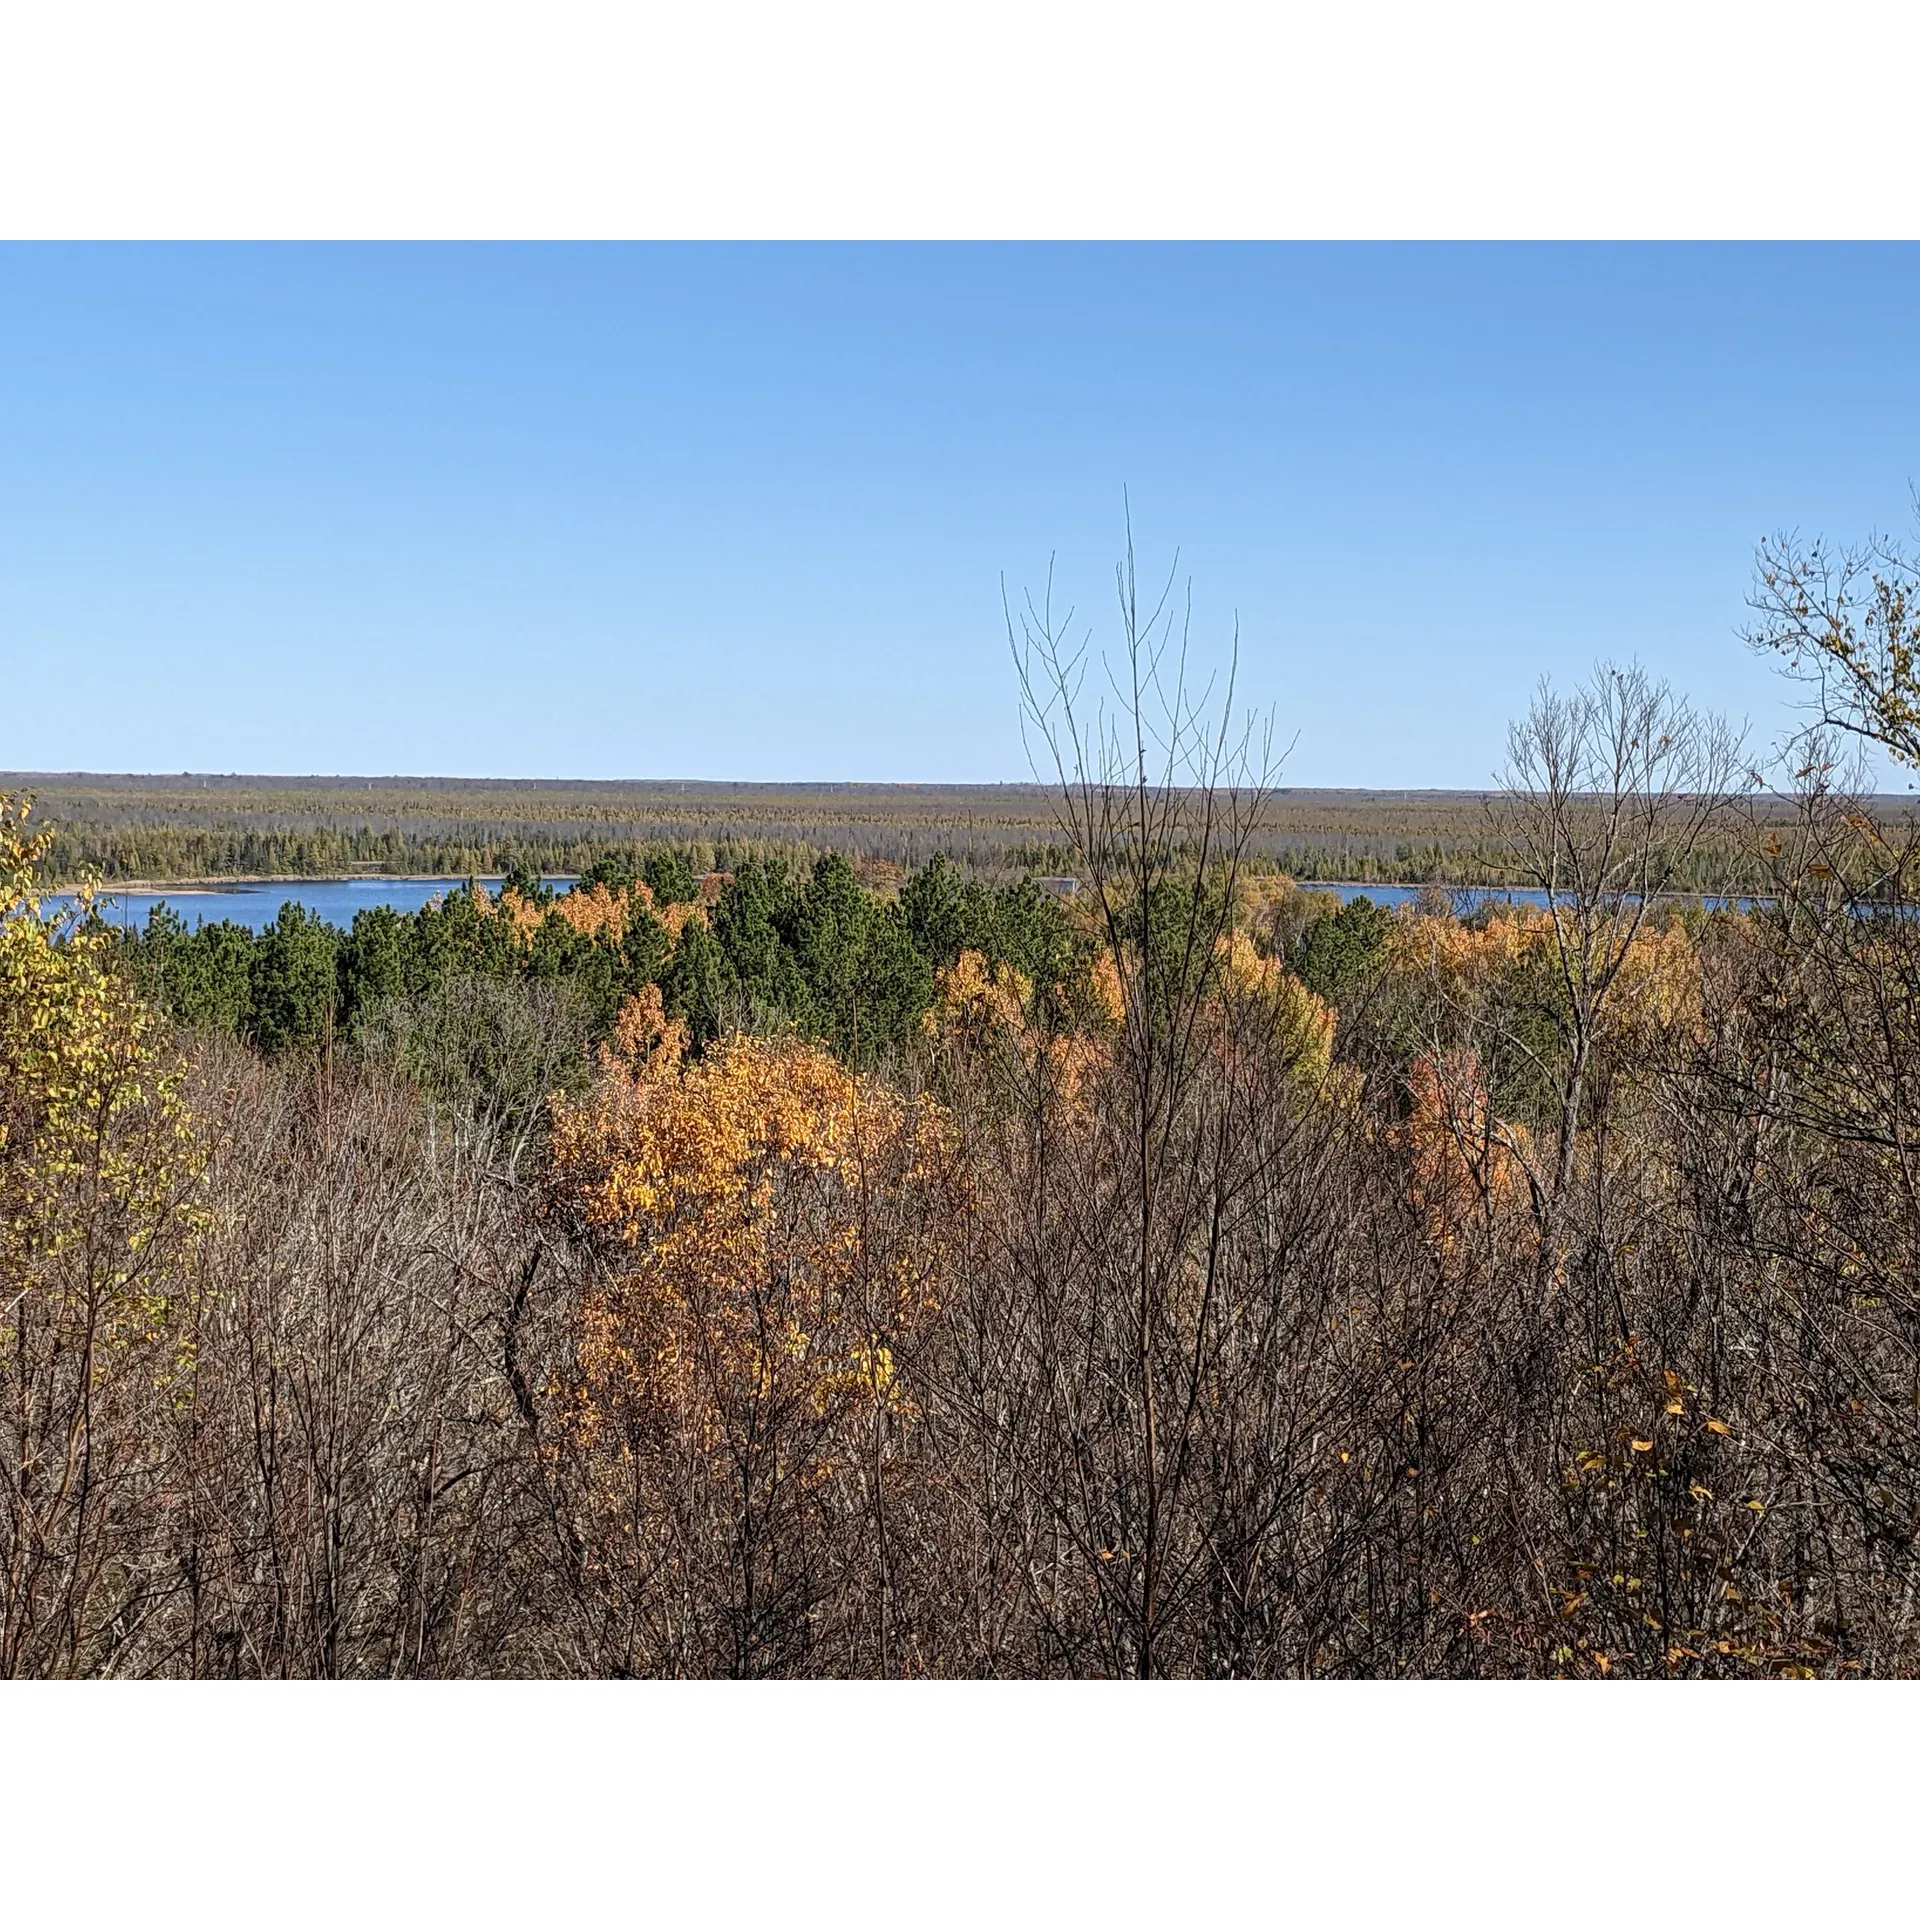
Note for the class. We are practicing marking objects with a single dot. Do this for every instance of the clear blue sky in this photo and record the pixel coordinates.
(743, 512)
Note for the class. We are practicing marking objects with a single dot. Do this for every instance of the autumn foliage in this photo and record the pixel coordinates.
(98, 1165)
(773, 1233)
(1202, 1283)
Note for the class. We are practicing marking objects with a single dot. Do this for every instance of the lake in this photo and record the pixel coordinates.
(256, 903)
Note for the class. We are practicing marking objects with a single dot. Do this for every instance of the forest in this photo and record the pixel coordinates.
(779, 1267)
(151, 828)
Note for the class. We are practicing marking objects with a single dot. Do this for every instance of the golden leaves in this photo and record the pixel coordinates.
(1303, 1023)
(97, 1152)
(974, 999)
(980, 1008)
(782, 1229)
(675, 915)
(644, 1040)
(1657, 984)
(596, 912)
(1108, 993)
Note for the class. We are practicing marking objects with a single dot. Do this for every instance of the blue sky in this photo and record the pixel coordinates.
(737, 512)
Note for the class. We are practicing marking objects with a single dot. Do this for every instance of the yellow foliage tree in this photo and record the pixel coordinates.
(98, 1161)
(1510, 986)
(986, 1015)
(89, 1107)
(773, 1231)
(1298, 1020)
(1657, 987)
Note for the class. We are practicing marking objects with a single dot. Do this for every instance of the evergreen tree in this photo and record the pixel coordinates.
(866, 981)
(373, 961)
(1340, 952)
(935, 908)
(670, 876)
(293, 979)
(1023, 927)
(758, 966)
(692, 985)
(524, 879)
(203, 978)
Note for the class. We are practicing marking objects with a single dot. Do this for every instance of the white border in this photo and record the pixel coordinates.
(921, 1798)
(994, 118)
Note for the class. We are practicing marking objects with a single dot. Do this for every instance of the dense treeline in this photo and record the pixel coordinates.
(155, 829)
(779, 1276)
(766, 946)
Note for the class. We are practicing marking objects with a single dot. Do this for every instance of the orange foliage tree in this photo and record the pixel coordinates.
(772, 1235)
(1464, 1160)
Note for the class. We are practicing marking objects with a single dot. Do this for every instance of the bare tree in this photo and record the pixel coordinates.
(1609, 793)
(1159, 795)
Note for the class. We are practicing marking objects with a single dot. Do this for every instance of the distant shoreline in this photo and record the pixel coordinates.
(227, 882)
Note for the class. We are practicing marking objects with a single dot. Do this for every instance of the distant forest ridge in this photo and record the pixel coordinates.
(165, 827)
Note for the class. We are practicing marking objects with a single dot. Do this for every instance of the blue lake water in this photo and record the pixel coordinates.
(255, 904)
(1466, 899)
